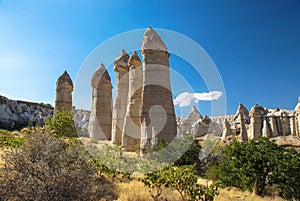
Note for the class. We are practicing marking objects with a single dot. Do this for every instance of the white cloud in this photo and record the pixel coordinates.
(187, 98)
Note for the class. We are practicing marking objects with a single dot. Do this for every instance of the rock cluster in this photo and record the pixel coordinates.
(143, 109)
(19, 114)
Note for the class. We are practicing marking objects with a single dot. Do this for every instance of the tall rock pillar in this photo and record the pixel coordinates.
(131, 138)
(101, 114)
(120, 102)
(297, 119)
(256, 123)
(157, 112)
(243, 132)
(64, 89)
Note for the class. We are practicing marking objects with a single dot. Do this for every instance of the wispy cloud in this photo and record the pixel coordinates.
(187, 98)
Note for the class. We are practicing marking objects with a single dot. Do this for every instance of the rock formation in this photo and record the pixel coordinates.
(132, 126)
(266, 129)
(226, 130)
(100, 121)
(16, 114)
(186, 124)
(256, 122)
(64, 89)
(243, 130)
(157, 112)
(120, 102)
(297, 111)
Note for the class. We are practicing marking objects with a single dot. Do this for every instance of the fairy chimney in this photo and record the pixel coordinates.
(101, 113)
(64, 89)
(132, 126)
(157, 111)
(120, 102)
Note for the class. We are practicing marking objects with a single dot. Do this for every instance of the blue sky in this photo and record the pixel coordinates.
(255, 44)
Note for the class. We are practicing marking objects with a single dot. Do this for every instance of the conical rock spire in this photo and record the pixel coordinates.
(100, 77)
(152, 40)
(121, 61)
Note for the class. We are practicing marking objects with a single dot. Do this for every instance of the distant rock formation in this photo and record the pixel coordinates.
(64, 89)
(15, 114)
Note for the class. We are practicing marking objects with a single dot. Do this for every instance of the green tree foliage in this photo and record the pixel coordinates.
(182, 179)
(62, 124)
(181, 151)
(49, 168)
(260, 165)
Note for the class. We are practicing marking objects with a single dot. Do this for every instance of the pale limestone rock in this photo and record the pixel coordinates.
(101, 114)
(132, 126)
(293, 124)
(242, 110)
(256, 121)
(274, 131)
(266, 130)
(297, 110)
(226, 130)
(157, 112)
(286, 123)
(152, 41)
(185, 125)
(120, 102)
(201, 127)
(243, 131)
(64, 89)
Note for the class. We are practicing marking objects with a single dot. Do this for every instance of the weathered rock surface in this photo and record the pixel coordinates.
(64, 89)
(120, 101)
(157, 112)
(15, 114)
(132, 126)
(101, 114)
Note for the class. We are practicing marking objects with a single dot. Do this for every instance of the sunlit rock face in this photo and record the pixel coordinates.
(131, 135)
(157, 111)
(100, 121)
(120, 101)
(19, 114)
(64, 89)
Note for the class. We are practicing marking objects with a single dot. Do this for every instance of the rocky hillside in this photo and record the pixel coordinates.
(16, 114)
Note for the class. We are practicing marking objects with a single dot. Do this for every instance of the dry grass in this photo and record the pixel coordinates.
(135, 191)
(234, 194)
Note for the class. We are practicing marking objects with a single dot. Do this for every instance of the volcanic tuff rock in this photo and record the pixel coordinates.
(15, 114)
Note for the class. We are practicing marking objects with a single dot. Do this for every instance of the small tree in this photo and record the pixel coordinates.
(182, 179)
(259, 165)
(48, 168)
(62, 124)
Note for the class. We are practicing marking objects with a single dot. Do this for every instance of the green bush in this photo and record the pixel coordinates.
(260, 165)
(182, 151)
(182, 179)
(62, 124)
(7, 139)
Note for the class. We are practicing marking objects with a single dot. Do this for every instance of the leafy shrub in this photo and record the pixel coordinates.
(110, 161)
(182, 151)
(7, 139)
(48, 168)
(260, 165)
(62, 124)
(182, 179)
